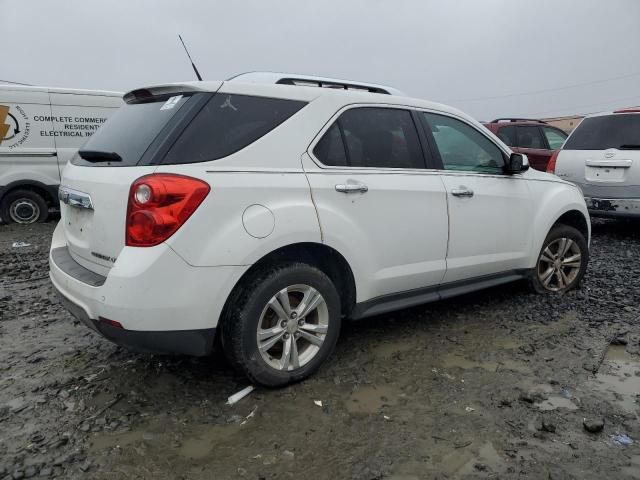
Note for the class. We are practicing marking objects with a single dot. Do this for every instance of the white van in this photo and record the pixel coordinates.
(40, 130)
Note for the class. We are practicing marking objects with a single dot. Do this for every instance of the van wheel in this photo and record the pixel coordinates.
(284, 325)
(23, 206)
(562, 261)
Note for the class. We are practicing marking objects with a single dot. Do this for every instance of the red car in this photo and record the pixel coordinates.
(535, 138)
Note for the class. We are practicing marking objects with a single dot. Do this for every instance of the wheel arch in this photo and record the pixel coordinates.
(325, 258)
(575, 219)
(42, 189)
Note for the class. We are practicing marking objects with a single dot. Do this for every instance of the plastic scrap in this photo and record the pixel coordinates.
(622, 439)
(20, 244)
(236, 397)
(318, 402)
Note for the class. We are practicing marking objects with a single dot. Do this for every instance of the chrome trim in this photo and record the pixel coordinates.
(75, 198)
(28, 154)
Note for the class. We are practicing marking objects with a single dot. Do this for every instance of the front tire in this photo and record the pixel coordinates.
(562, 261)
(23, 206)
(283, 326)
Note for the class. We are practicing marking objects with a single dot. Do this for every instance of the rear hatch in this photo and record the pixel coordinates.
(95, 186)
(602, 156)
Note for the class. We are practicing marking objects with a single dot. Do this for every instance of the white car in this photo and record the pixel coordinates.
(41, 128)
(602, 157)
(264, 214)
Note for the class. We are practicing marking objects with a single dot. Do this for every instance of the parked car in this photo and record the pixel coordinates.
(40, 130)
(265, 214)
(535, 138)
(602, 157)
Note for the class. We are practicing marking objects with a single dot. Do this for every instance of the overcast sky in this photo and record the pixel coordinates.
(488, 57)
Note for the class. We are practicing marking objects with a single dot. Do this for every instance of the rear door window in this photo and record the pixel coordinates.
(621, 130)
(530, 137)
(372, 137)
(555, 138)
(228, 123)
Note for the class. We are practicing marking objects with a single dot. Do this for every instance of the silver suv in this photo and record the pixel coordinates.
(602, 157)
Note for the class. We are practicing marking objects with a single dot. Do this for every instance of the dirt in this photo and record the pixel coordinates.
(495, 384)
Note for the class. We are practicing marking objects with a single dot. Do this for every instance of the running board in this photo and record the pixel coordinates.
(419, 296)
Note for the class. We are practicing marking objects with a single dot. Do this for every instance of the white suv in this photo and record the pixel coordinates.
(602, 156)
(263, 214)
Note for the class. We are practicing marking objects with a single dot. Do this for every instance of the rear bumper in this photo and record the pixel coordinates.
(163, 303)
(613, 207)
(186, 342)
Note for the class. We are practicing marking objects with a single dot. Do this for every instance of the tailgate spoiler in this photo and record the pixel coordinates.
(147, 93)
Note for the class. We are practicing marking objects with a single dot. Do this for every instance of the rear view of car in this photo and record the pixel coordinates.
(602, 157)
(535, 138)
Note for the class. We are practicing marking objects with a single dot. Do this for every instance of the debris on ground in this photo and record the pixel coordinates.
(236, 397)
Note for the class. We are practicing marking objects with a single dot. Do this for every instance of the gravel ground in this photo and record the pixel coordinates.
(497, 384)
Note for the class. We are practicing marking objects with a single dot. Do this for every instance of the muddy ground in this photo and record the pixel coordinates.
(496, 384)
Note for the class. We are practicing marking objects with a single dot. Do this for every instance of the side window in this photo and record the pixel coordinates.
(462, 147)
(555, 138)
(228, 123)
(330, 149)
(373, 137)
(507, 135)
(530, 137)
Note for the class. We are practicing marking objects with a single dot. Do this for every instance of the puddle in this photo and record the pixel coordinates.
(202, 445)
(488, 456)
(553, 403)
(370, 398)
(455, 361)
(461, 463)
(617, 378)
(388, 350)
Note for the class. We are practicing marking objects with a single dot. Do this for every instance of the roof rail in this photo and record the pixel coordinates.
(627, 110)
(508, 119)
(312, 81)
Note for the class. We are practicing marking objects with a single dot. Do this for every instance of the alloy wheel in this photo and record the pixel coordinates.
(559, 264)
(292, 327)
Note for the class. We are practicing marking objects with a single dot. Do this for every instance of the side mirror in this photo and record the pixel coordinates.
(517, 163)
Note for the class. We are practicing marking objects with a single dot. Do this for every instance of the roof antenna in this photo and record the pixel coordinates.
(190, 59)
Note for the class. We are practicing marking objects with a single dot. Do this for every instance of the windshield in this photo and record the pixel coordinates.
(618, 130)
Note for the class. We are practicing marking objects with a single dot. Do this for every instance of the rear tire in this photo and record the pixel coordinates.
(562, 261)
(24, 207)
(283, 325)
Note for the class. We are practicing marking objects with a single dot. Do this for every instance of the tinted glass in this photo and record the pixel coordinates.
(530, 137)
(131, 129)
(555, 138)
(609, 131)
(330, 149)
(228, 123)
(462, 147)
(507, 135)
(381, 137)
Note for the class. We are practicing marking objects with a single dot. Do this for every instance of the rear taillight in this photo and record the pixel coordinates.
(159, 204)
(551, 166)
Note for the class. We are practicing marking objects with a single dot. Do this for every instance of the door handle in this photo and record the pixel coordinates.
(462, 191)
(351, 188)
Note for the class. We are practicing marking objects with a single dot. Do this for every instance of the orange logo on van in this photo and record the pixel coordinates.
(4, 127)
(13, 132)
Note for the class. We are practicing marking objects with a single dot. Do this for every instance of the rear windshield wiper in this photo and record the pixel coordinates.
(96, 156)
(630, 146)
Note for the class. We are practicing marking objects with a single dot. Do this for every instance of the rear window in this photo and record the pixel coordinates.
(228, 123)
(209, 127)
(131, 129)
(608, 131)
